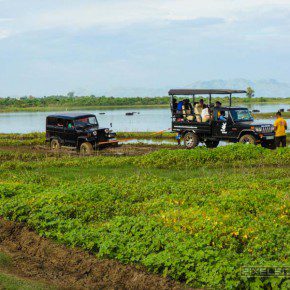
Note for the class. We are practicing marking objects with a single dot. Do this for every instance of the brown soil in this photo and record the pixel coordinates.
(40, 259)
(121, 150)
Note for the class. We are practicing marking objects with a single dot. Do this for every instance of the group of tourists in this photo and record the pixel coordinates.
(199, 112)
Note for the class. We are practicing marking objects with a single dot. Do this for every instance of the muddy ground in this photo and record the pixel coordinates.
(121, 150)
(40, 259)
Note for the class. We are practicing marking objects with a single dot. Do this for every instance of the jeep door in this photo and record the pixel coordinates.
(70, 133)
(59, 130)
(222, 124)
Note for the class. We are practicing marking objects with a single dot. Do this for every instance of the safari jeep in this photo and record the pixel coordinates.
(79, 131)
(237, 124)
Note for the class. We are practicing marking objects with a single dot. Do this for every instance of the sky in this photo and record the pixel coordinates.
(56, 46)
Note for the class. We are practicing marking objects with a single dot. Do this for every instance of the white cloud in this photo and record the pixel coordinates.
(116, 14)
(4, 33)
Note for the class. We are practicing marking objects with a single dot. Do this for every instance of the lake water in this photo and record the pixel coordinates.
(148, 119)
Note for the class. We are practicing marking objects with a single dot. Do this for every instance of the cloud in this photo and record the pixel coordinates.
(62, 44)
(198, 22)
(4, 33)
(119, 14)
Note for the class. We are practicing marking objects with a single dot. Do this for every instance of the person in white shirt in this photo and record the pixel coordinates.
(205, 114)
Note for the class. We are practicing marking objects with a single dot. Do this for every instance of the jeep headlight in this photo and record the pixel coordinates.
(258, 129)
(95, 133)
(107, 131)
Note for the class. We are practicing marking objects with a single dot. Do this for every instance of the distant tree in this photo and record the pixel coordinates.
(250, 93)
(71, 94)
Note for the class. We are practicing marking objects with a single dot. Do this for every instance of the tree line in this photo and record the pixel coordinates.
(91, 101)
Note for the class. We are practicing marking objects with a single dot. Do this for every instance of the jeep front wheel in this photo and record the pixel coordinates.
(86, 148)
(248, 139)
(190, 140)
(54, 145)
(211, 144)
(269, 145)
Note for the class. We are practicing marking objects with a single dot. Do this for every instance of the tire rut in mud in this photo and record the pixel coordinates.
(40, 259)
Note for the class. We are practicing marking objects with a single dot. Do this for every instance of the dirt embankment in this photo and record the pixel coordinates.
(40, 259)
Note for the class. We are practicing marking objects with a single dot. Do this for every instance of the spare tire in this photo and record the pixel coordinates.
(191, 140)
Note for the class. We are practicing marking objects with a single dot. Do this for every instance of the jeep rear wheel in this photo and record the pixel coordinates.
(248, 139)
(86, 148)
(54, 145)
(211, 144)
(190, 140)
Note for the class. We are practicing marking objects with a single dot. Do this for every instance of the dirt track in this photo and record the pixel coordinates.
(43, 260)
(122, 150)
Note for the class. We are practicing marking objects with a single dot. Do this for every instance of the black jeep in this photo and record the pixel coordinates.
(224, 123)
(79, 131)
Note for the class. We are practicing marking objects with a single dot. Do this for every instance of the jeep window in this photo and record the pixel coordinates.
(69, 124)
(86, 121)
(222, 115)
(51, 121)
(59, 123)
(241, 115)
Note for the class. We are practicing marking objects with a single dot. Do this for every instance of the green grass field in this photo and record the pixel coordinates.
(197, 216)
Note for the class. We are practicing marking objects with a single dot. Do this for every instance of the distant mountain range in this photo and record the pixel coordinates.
(263, 88)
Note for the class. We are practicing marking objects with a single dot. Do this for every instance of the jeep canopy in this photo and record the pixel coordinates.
(190, 92)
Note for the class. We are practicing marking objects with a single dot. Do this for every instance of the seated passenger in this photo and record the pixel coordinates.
(187, 110)
(218, 104)
(198, 107)
(179, 109)
(222, 116)
(205, 114)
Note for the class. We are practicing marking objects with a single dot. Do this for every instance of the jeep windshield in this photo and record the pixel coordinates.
(90, 121)
(240, 115)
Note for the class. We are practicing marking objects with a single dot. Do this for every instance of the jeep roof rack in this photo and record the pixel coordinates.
(191, 92)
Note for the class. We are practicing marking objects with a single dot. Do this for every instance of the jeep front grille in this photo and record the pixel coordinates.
(267, 129)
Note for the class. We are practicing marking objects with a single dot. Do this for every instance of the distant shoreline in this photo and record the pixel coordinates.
(9, 109)
(257, 116)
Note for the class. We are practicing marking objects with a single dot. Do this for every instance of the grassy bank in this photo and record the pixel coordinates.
(197, 216)
(269, 115)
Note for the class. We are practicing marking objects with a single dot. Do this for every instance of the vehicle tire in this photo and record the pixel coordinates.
(211, 144)
(269, 145)
(248, 139)
(55, 145)
(191, 140)
(86, 148)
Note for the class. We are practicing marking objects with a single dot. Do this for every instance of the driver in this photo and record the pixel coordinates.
(222, 116)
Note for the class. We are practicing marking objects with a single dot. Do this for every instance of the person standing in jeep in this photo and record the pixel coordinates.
(280, 130)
